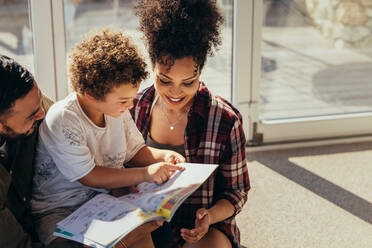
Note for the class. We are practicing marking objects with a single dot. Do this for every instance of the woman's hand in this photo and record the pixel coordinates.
(202, 222)
(173, 157)
(160, 172)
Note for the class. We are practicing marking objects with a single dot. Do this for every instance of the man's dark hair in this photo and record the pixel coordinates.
(15, 82)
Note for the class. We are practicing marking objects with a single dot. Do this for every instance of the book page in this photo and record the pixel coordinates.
(104, 218)
(78, 238)
(164, 198)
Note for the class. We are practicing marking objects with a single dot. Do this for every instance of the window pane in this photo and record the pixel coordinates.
(82, 16)
(316, 58)
(15, 32)
(217, 72)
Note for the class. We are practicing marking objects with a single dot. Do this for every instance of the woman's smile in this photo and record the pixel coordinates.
(175, 100)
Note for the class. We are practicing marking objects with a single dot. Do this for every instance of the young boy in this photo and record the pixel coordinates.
(86, 138)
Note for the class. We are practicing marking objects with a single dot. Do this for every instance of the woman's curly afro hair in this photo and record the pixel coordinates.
(105, 59)
(175, 29)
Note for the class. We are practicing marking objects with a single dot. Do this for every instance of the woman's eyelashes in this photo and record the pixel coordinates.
(189, 83)
(169, 82)
(164, 82)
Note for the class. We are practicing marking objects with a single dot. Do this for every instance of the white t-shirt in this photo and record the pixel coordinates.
(70, 146)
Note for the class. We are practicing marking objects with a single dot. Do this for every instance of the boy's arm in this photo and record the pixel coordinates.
(149, 155)
(112, 178)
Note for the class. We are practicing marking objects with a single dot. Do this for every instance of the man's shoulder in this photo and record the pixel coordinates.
(61, 111)
(64, 118)
(46, 103)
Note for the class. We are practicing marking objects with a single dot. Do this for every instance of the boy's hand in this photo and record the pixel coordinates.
(173, 157)
(160, 172)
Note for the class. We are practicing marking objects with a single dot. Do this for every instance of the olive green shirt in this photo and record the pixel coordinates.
(16, 226)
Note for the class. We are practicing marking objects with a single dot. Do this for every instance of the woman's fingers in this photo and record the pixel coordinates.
(202, 222)
(201, 213)
(180, 159)
(174, 157)
(189, 239)
(174, 167)
(192, 235)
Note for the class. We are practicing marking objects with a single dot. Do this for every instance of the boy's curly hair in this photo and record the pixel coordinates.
(180, 28)
(105, 59)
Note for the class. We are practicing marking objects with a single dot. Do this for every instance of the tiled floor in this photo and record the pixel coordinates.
(316, 197)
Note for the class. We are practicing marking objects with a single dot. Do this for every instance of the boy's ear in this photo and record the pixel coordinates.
(89, 97)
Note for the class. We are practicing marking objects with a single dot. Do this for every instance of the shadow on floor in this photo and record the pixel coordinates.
(279, 162)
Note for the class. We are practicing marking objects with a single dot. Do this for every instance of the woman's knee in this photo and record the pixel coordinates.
(214, 238)
(144, 242)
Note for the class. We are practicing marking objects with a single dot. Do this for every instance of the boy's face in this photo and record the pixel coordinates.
(118, 100)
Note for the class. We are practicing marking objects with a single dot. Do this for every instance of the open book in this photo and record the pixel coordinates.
(105, 219)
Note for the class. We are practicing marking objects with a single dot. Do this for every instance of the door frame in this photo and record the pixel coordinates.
(264, 132)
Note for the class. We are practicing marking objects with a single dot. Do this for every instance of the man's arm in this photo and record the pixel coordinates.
(11, 232)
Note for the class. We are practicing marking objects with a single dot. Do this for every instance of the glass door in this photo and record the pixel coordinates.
(315, 75)
(296, 70)
(16, 32)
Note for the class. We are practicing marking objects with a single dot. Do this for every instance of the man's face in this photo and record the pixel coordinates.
(22, 119)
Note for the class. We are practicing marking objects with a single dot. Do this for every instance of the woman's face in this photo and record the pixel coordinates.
(178, 85)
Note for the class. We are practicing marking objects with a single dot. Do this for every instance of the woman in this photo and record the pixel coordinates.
(178, 112)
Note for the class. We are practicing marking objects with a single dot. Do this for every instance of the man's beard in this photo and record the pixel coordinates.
(10, 134)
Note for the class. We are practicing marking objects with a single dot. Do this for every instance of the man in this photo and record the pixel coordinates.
(22, 108)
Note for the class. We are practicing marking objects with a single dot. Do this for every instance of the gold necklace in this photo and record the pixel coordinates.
(180, 117)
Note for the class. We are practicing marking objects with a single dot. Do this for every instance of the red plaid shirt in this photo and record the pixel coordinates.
(213, 135)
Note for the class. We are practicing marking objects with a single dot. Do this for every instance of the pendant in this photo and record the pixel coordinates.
(171, 128)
